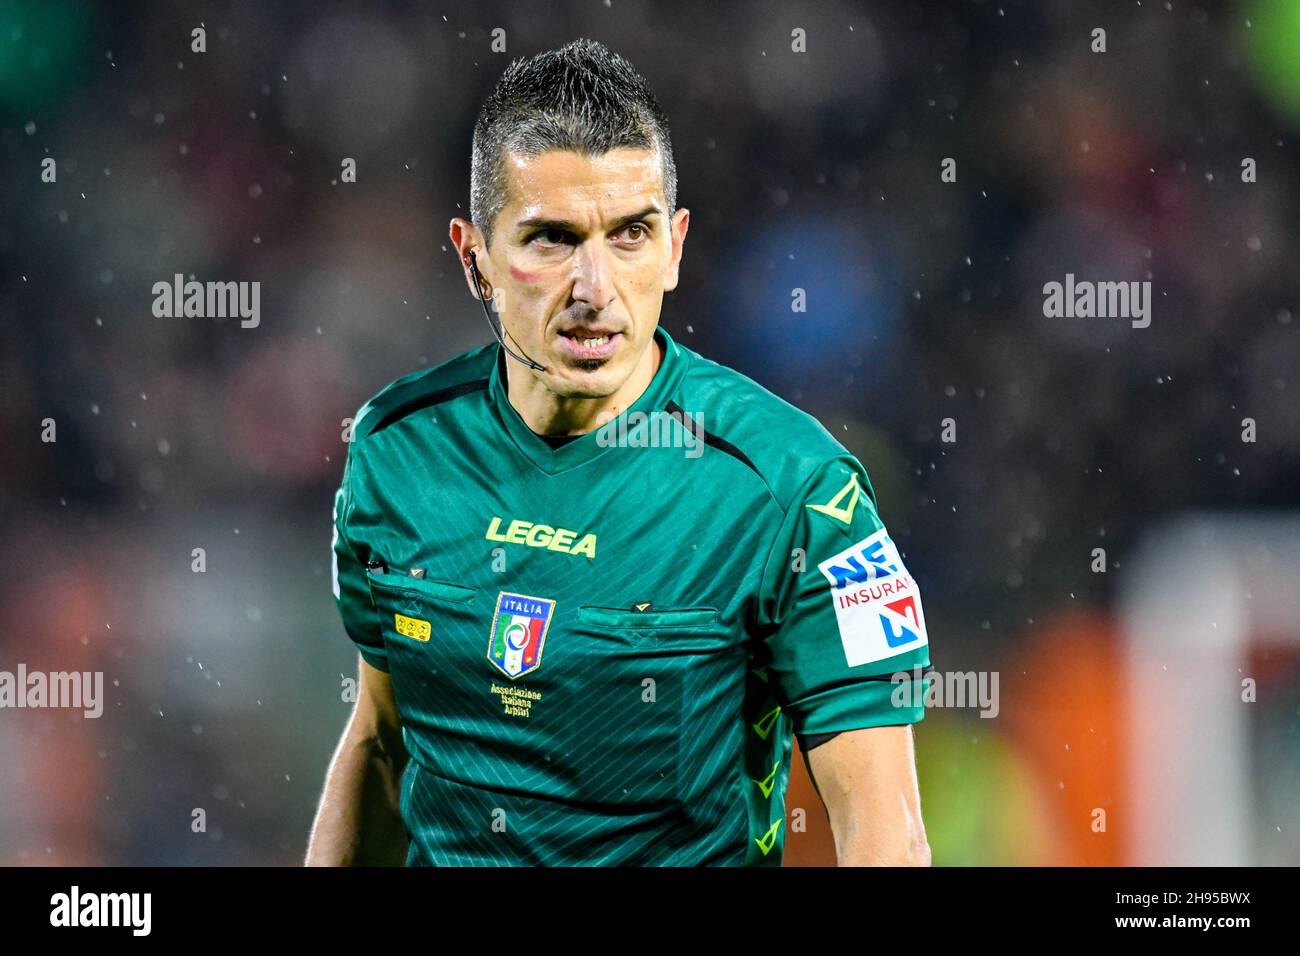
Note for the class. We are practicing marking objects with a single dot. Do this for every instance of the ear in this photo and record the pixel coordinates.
(680, 223)
(466, 238)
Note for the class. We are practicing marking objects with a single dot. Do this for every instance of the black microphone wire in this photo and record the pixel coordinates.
(473, 268)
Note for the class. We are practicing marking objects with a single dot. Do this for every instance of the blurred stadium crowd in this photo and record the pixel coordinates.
(817, 171)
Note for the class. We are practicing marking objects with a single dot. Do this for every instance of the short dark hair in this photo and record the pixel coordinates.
(581, 97)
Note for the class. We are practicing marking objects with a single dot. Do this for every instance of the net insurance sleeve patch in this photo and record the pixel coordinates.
(877, 603)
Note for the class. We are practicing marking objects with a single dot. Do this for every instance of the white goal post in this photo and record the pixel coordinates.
(1198, 593)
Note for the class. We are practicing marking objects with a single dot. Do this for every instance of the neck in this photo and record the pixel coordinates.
(547, 413)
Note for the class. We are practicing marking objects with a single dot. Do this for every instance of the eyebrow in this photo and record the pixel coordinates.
(566, 226)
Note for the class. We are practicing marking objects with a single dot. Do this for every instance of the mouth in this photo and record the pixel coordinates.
(589, 343)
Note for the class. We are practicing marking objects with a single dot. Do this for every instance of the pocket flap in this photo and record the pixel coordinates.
(435, 590)
(627, 618)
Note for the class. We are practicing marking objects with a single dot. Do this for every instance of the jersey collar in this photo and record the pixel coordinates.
(585, 447)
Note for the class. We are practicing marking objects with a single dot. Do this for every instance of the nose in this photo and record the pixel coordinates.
(593, 276)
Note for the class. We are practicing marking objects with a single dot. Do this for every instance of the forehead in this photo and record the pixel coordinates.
(562, 183)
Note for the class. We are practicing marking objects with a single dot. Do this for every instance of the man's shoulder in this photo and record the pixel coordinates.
(460, 375)
(783, 444)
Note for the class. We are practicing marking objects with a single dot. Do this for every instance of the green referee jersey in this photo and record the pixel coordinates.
(599, 651)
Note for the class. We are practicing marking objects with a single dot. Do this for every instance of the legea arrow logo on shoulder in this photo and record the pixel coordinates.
(834, 508)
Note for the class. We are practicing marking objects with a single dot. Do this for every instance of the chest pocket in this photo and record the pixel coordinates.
(416, 609)
(428, 628)
(619, 713)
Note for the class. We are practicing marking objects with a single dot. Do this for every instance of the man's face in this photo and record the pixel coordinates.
(584, 251)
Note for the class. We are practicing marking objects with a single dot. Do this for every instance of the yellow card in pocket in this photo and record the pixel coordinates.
(413, 627)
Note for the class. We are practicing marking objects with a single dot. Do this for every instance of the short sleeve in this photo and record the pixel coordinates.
(351, 584)
(839, 613)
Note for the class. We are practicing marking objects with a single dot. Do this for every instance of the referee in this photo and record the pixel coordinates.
(598, 581)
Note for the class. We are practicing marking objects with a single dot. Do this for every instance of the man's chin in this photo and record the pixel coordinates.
(586, 378)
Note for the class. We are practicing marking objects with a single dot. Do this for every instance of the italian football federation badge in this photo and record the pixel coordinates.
(518, 633)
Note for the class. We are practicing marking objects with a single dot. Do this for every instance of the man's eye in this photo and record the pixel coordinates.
(549, 237)
(641, 232)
